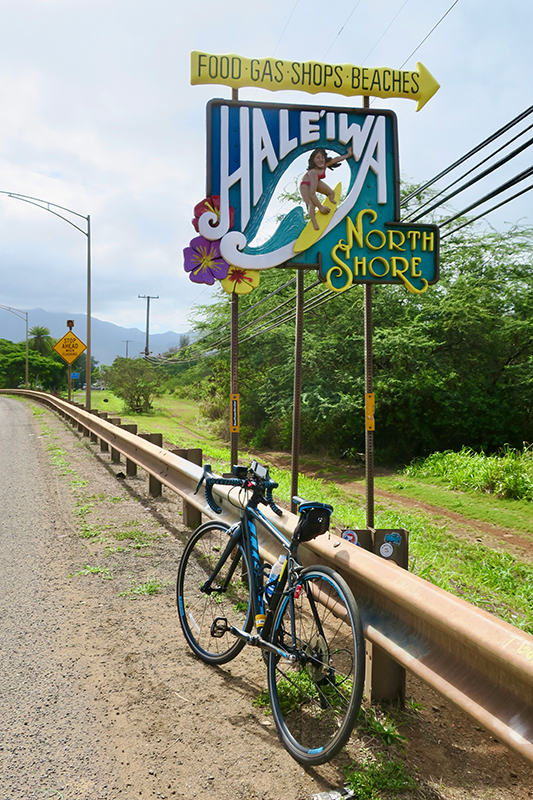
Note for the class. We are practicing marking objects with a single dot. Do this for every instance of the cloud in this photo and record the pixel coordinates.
(98, 115)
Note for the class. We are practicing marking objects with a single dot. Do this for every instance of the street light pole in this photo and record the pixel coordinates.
(22, 315)
(47, 206)
(147, 298)
(88, 364)
(126, 341)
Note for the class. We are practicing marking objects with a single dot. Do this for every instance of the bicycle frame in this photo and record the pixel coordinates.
(244, 533)
(250, 517)
(246, 530)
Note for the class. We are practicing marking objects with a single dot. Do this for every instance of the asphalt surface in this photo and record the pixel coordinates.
(50, 742)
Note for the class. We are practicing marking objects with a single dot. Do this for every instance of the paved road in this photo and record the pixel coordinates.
(50, 742)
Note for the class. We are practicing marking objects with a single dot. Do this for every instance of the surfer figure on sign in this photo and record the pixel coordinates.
(312, 182)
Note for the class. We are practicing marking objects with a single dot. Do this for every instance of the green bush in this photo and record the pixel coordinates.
(508, 474)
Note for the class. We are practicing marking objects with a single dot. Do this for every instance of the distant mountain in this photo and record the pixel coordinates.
(107, 340)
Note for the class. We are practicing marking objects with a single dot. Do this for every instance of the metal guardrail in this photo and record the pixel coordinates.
(477, 661)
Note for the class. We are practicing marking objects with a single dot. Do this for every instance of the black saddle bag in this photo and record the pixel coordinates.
(314, 520)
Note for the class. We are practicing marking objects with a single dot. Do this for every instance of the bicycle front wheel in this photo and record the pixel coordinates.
(316, 698)
(201, 601)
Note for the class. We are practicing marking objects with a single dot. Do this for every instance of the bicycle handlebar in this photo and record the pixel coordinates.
(252, 481)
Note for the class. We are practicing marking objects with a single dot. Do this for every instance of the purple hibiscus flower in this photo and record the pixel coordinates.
(203, 261)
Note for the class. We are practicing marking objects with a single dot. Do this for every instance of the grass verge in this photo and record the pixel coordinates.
(502, 512)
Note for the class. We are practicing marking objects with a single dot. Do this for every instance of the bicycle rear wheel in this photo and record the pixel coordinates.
(228, 596)
(315, 699)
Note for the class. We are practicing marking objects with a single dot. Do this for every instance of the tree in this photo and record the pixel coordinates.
(47, 370)
(135, 381)
(452, 367)
(40, 340)
(80, 365)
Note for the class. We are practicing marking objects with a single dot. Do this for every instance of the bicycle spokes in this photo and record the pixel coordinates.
(315, 700)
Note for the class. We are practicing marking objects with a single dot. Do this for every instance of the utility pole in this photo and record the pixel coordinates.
(126, 341)
(147, 297)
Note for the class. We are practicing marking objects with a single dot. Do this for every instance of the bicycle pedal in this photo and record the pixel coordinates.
(219, 627)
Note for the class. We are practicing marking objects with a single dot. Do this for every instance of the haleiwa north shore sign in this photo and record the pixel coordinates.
(353, 234)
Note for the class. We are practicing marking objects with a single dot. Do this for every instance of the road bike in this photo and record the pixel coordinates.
(309, 629)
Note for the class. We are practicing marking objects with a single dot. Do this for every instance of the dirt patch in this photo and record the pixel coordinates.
(171, 726)
(470, 529)
(352, 482)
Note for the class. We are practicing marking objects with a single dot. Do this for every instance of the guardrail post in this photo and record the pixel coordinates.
(192, 517)
(115, 454)
(131, 466)
(155, 487)
(384, 678)
(104, 447)
(96, 413)
(387, 677)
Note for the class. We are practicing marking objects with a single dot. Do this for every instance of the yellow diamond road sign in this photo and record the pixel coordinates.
(69, 347)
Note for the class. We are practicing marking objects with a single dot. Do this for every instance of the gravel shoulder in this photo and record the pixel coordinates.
(103, 699)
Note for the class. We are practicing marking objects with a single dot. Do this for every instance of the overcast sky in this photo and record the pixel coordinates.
(98, 115)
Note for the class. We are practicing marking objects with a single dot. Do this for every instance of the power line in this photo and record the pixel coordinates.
(328, 295)
(468, 155)
(318, 300)
(280, 321)
(468, 172)
(341, 30)
(429, 34)
(275, 323)
(473, 180)
(226, 324)
(423, 40)
(484, 214)
(384, 32)
(507, 185)
(254, 322)
(286, 26)
(281, 305)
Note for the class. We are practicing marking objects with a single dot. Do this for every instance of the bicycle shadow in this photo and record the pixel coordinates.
(258, 722)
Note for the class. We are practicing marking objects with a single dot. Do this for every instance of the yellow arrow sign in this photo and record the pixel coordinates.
(69, 347)
(313, 77)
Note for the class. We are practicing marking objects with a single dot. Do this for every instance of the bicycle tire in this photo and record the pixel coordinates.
(197, 610)
(315, 699)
